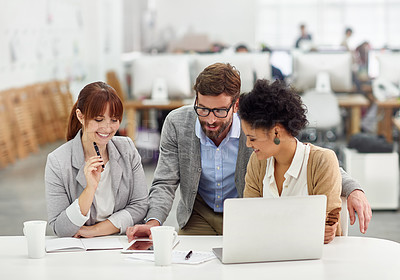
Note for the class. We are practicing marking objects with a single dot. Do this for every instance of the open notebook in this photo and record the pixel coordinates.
(67, 244)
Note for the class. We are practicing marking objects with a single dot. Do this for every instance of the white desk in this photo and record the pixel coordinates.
(345, 258)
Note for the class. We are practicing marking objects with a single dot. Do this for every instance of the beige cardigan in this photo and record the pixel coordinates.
(323, 178)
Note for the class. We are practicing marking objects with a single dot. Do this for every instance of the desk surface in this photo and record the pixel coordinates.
(389, 103)
(344, 258)
(352, 100)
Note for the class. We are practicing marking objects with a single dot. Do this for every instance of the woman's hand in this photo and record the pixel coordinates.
(86, 231)
(330, 232)
(99, 229)
(92, 170)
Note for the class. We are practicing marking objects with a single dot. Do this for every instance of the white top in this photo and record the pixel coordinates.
(295, 183)
(104, 202)
(104, 198)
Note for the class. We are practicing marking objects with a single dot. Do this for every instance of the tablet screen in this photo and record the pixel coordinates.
(140, 245)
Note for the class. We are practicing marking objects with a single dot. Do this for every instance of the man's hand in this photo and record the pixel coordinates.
(357, 202)
(141, 231)
(330, 232)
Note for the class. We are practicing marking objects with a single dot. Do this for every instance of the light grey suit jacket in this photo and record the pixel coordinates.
(180, 164)
(65, 180)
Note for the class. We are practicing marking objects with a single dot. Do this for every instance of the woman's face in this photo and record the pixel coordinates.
(260, 140)
(101, 129)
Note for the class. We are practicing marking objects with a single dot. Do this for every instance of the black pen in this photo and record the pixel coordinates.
(97, 151)
(188, 255)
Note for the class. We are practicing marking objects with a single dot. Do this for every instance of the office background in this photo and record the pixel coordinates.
(79, 41)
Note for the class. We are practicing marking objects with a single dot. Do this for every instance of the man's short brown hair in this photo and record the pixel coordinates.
(217, 79)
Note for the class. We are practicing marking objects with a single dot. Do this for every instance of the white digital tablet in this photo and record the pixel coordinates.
(142, 245)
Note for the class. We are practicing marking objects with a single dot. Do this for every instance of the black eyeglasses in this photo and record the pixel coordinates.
(219, 113)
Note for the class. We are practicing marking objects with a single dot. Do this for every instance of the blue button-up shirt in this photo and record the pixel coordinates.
(217, 180)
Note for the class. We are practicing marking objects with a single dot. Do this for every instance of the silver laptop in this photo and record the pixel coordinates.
(272, 229)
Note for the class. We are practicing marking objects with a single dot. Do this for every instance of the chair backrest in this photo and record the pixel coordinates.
(7, 151)
(344, 217)
(323, 110)
(113, 81)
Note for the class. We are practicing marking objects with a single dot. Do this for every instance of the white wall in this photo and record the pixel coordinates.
(276, 23)
(225, 21)
(376, 21)
(42, 40)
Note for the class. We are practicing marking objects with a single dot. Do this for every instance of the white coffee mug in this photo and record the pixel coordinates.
(163, 241)
(35, 232)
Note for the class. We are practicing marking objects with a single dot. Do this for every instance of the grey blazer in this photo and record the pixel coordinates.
(180, 164)
(65, 180)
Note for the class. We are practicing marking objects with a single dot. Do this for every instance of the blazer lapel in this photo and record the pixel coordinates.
(195, 151)
(115, 168)
(78, 159)
(241, 163)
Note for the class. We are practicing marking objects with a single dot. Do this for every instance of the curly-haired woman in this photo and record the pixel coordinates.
(272, 115)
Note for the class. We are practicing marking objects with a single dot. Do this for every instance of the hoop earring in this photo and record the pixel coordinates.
(277, 141)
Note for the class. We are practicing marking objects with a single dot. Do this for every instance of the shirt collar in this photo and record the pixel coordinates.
(295, 166)
(297, 162)
(234, 131)
(270, 170)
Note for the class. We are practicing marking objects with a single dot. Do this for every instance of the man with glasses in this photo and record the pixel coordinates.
(203, 150)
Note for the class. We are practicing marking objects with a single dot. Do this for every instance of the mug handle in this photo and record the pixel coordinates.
(175, 237)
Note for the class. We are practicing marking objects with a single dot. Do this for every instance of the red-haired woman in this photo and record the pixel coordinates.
(89, 194)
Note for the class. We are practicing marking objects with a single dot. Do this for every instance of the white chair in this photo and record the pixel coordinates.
(323, 112)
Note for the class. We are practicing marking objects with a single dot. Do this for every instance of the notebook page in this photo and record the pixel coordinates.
(101, 243)
(64, 244)
(178, 257)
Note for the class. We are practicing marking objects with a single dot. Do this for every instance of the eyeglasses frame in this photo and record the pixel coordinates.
(213, 110)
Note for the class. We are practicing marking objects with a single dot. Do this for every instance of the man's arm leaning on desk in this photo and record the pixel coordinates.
(165, 183)
(356, 201)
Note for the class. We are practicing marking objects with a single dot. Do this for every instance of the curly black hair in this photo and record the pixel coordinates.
(269, 104)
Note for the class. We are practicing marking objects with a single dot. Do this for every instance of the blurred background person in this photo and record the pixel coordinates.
(347, 34)
(304, 36)
(275, 72)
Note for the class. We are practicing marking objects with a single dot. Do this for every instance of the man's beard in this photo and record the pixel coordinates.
(213, 135)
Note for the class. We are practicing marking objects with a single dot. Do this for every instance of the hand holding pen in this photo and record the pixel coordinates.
(98, 153)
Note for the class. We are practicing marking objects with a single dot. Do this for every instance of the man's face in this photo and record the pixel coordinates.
(216, 128)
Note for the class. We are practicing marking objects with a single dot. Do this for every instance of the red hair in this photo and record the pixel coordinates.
(92, 102)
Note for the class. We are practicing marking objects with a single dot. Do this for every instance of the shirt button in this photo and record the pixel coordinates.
(219, 184)
(286, 186)
(199, 170)
(218, 167)
(217, 206)
(218, 197)
(218, 149)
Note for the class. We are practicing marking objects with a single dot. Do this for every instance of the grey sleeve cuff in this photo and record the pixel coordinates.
(151, 218)
(349, 184)
(121, 220)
